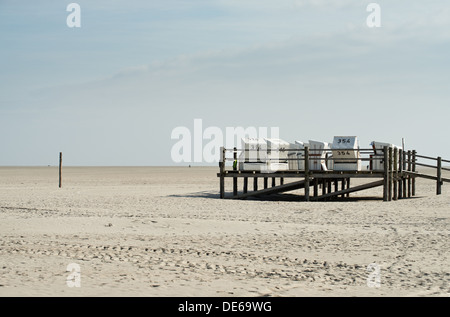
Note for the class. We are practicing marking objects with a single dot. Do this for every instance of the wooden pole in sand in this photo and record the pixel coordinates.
(439, 176)
(60, 169)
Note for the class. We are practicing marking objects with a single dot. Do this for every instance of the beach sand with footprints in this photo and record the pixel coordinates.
(163, 231)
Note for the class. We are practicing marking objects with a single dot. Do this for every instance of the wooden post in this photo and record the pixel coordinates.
(255, 183)
(336, 185)
(245, 189)
(439, 176)
(404, 177)
(273, 182)
(60, 169)
(348, 187)
(316, 187)
(307, 173)
(386, 174)
(222, 172)
(343, 186)
(266, 181)
(395, 174)
(409, 176)
(235, 179)
(413, 187)
(390, 174)
(324, 186)
(400, 174)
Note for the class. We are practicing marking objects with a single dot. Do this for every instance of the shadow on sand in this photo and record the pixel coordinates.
(278, 197)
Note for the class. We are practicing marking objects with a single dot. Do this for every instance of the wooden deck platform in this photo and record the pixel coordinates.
(397, 178)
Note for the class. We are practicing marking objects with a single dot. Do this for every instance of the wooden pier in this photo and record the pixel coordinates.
(397, 177)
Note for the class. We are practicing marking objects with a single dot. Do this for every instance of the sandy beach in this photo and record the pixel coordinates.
(163, 231)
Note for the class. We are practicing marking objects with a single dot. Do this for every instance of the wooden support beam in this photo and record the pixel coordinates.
(245, 189)
(354, 189)
(273, 190)
(266, 180)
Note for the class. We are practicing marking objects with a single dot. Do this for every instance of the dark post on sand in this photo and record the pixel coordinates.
(60, 167)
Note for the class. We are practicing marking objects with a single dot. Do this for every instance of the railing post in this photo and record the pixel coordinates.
(390, 174)
(307, 173)
(413, 188)
(409, 176)
(439, 176)
(222, 172)
(400, 174)
(235, 180)
(386, 174)
(404, 177)
(395, 174)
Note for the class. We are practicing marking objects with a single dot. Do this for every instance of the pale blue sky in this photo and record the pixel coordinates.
(111, 92)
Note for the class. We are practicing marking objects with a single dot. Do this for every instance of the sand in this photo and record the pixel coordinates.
(163, 231)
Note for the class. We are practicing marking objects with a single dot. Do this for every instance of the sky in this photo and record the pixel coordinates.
(110, 92)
